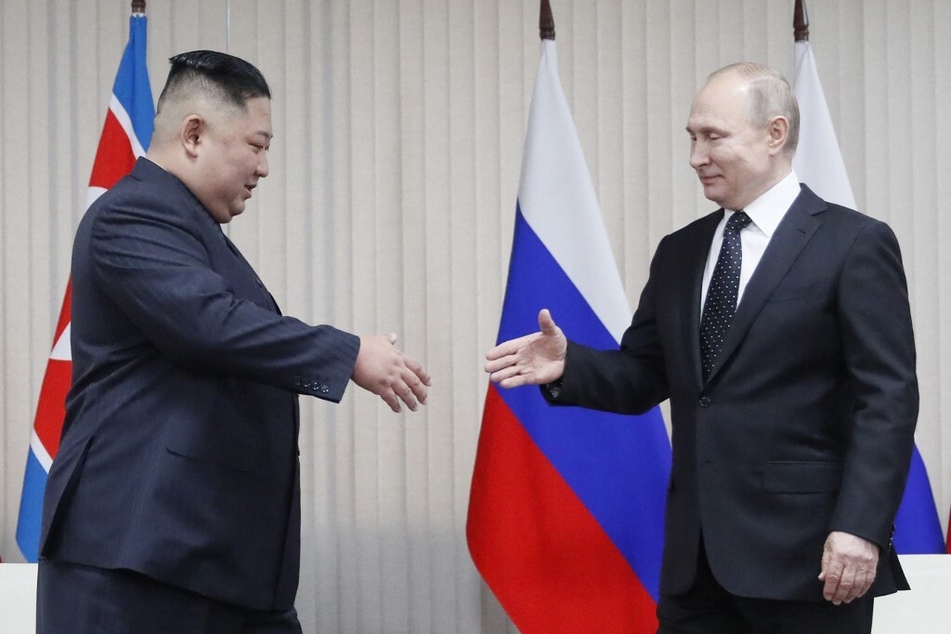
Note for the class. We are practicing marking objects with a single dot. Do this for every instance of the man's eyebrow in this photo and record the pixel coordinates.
(705, 128)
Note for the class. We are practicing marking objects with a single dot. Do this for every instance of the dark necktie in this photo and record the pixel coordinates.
(721, 295)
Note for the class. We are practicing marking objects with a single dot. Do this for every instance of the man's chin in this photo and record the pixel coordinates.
(713, 194)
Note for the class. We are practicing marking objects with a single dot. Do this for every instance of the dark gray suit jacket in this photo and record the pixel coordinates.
(805, 426)
(179, 455)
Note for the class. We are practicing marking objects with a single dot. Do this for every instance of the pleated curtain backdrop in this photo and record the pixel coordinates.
(398, 140)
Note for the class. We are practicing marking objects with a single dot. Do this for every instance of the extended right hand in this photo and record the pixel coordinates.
(381, 368)
(534, 359)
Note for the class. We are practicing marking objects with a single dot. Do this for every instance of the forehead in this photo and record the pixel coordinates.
(722, 101)
(255, 118)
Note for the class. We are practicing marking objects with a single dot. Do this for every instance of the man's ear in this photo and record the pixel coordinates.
(192, 131)
(778, 130)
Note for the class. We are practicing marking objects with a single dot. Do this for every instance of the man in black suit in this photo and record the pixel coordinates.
(173, 504)
(793, 417)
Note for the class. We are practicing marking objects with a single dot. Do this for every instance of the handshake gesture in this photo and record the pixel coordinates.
(398, 379)
(384, 370)
(534, 359)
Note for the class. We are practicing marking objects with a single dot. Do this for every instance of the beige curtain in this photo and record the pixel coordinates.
(399, 129)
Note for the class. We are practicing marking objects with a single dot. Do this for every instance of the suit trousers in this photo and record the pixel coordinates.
(77, 599)
(707, 608)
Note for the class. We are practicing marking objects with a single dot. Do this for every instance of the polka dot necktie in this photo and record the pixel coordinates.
(721, 295)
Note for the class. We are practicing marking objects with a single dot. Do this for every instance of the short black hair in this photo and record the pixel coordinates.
(233, 79)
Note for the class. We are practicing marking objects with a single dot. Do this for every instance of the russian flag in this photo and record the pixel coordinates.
(818, 163)
(125, 136)
(566, 508)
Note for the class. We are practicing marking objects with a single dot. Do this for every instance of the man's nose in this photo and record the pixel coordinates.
(698, 155)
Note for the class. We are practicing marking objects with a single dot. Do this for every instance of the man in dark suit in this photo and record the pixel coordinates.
(173, 504)
(793, 414)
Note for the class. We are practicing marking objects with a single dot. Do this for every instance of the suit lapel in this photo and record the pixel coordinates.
(793, 233)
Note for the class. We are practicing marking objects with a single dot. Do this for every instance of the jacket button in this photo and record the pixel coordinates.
(704, 401)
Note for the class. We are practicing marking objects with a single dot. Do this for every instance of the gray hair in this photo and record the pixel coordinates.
(770, 95)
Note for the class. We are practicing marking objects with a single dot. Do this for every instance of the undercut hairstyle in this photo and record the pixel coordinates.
(770, 96)
(225, 78)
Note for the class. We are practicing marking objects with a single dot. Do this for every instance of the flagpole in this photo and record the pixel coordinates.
(546, 22)
(801, 22)
(138, 7)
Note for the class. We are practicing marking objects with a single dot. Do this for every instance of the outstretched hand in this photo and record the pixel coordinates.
(381, 368)
(534, 359)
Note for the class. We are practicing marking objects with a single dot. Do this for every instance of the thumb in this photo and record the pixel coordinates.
(546, 323)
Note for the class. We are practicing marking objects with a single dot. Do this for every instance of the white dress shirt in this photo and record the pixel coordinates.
(766, 212)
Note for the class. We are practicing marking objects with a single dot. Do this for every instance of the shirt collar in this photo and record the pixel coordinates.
(768, 210)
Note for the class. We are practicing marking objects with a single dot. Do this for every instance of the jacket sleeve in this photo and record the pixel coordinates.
(628, 380)
(154, 263)
(879, 354)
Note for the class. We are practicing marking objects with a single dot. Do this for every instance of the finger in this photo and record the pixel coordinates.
(504, 349)
(416, 389)
(407, 386)
(830, 589)
(391, 399)
(496, 365)
(407, 397)
(419, 392)
(419, 373)
(863, 582)
(546, 323)
(503, 374)
(392, 338)
(843, 592)
(856, 585)
(831, 575)
(518, 380)
(510, 347)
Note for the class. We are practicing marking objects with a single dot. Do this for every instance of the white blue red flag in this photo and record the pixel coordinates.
(125, 136)
(566, 509)
(818, 163)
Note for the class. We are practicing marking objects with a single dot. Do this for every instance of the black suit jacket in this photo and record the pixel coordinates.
(806, 424)
(179, 454)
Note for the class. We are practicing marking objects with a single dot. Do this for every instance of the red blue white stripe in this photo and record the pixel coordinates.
(125, 136)
(566, 509)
